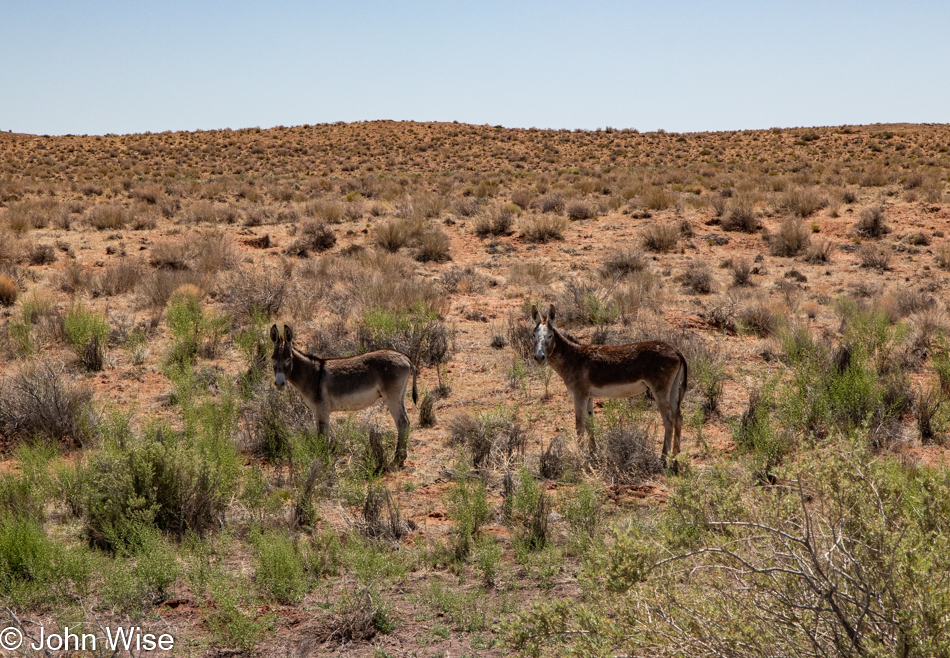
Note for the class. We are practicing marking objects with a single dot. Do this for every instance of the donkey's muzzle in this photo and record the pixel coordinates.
(280, 381)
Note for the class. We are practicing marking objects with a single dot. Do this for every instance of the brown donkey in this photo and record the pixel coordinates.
(348, 384)
(615, 371)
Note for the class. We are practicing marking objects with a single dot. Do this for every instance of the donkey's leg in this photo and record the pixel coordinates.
(662, 398)
(676, 405)
(397, 408)
(583, 405)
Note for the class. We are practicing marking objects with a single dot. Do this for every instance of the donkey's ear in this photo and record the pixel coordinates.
(273, 333)
(288, 333)
(534, 313)
(551, 313)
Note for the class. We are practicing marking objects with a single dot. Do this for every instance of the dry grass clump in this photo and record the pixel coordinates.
(741, 272)
(660, 237)
(740, 217)
(313, 236)
(42, 254)
(433, 246)
(626, 454)
(117, 279)
(170, 255)
(819, 251)
(495, 220)
(531, 273)
(213, 251)
(429, 206)
(874, 257)
(872, 223)
(758, 318)
(635, 293)
(623, 262)
(156, 289)
(522, 198)
(250, 292)
(942, 255)
(494, 438)
(581, 209)
(325, 210)
(552, 203)
(698, 278)
(38, 403)
(544, 228)
(26, 215)
(792, 237)
(107, 216)
(8, 291)
(803, 201)
(657, 198)
(463, 281)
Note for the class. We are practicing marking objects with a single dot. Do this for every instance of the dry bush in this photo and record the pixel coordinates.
(463, 280)
(636, 292)
(819, 251)
(552, 203)
(874, 257)
(75, 278)
(803, 201)
(911, 301)
(117, 279)
(626, 453)
(170, 255)
(358, 622)
(495, 439)
(660, 237)
(313, 236)
(213, 251)
(583, 303)
(107, 217)
(495, 220)
(250, 292)
(8, 291)
(466, 207)
(268, 422)
(657, 198)
(155, 290)
(543, 228)
(433, 246)
(698, 278)
(942, 255)
(38, 403)
(429, 206)
(623, 262)
(42, 254)
(531, 273)
(793, 236)
(26, 215)
(759, 319)
(740, 217)
(326, 210)
(741, 272)
(380, 514)
(872, 223)
(580, 209)
(522, 198)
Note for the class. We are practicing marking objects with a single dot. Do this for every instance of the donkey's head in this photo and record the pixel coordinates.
(283, 358)
(543, 333)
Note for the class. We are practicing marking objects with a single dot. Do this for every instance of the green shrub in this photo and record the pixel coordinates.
(280, 567)
(175, 482)
(417, 333)
(469, 510)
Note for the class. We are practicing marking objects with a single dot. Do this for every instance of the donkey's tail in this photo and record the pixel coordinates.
(681, 393)
(415, 394)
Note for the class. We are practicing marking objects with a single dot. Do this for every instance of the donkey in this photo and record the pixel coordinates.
(347, 384)
(615, 371)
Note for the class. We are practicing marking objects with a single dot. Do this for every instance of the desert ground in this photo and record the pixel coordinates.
(152, 475)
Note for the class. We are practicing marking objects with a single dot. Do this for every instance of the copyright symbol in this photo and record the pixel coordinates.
(11, 638)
